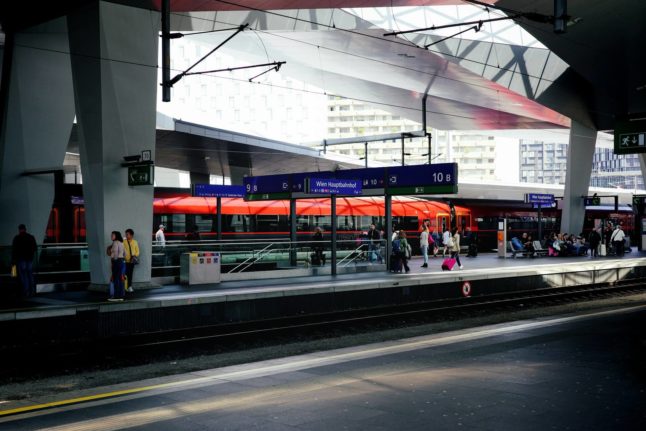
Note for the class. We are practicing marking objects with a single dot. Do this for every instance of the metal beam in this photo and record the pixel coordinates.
(165, 24)
(373, 138)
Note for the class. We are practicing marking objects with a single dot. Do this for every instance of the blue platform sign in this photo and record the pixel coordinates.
(268, 184)
(539, 198)
(333, 186)
(371, 178)
(218, 191)
(422, 179)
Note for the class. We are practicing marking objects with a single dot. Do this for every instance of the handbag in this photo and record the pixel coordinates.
(14, 271)
(133, 259)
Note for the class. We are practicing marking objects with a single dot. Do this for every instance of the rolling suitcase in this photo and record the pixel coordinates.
(448, 264)
(473, 250)
(602, 250)
(395, 263)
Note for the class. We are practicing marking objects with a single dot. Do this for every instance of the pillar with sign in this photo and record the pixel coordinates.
(540, 200)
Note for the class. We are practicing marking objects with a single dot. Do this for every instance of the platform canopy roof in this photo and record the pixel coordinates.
(206, 150)
(592, 73)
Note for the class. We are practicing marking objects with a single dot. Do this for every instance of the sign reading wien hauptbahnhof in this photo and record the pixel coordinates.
(539, 198)
(440, 178)
(333, 186)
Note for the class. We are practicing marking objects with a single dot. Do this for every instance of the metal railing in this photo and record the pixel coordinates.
(237, 256)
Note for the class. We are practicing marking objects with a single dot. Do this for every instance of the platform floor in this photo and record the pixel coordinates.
(571, 372)
(483, 266)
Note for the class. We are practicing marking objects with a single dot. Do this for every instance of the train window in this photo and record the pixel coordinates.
(177, 223)
(236, 223)
(442, 222)
(204, 223)
(267, 223)
(53, 230)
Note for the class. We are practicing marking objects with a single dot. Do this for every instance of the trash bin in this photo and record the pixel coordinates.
(199, 268)
(85, 260)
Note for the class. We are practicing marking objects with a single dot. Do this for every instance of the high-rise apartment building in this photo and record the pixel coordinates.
(546, 162)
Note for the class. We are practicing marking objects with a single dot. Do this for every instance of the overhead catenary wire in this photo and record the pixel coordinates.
(327, 26)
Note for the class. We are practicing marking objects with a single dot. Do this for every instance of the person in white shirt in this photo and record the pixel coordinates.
(423, 244)
(446, 239)
(617, 240)
(160, 237)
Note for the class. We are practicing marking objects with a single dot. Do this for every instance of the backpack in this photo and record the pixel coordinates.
(396, 246)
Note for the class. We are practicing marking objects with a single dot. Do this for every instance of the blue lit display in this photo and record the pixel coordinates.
(334, 186)
(218, 191)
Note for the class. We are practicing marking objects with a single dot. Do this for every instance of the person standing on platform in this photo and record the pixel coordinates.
(455, 251)
(617, 240)
(23, 249)
(319, 256)
(132, 256)
(594, 239)
(160, 237)
(423, 245)
(445, 242)
(374, 246)
(117, 258)
(404, 249)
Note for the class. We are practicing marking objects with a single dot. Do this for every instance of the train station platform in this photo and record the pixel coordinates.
(181, 307)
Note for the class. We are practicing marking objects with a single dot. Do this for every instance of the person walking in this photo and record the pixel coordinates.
(404, 250)
(423, 245)
(117, 254)
(455, 251)
(159, 235)
(23, 249)
(132, 257)
(446, 236)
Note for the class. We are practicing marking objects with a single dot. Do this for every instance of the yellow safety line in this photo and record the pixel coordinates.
(82, 399)
(424, 342)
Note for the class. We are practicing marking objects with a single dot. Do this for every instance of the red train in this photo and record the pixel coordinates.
(269, 219)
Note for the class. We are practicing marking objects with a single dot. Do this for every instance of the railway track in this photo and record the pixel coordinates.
(149, 348)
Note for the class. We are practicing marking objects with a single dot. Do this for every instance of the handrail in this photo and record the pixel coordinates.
(351, 254)
(250, 258)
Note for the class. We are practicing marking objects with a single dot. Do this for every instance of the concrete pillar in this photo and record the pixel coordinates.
(114, 66)
(39, 113)
(238, 173)
(199, 178)
(642, 165)
(577, 176)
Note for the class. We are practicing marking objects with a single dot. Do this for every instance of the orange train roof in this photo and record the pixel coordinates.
(360, 206)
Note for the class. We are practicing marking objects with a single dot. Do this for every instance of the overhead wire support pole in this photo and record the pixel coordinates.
(179, 76)
(459, 24)
(165, 24)
(476, 28)
(276, 65)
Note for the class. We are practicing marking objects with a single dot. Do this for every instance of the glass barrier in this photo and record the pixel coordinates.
(237, 256)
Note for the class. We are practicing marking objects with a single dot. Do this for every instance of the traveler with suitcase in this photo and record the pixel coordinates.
(454, 247)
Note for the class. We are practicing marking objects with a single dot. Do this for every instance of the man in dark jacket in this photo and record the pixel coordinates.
(23, 249)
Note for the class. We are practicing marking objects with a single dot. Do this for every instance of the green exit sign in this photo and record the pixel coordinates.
(630, 136)
(141, 175)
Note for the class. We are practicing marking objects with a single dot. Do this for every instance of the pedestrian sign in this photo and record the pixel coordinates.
(630, 136)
